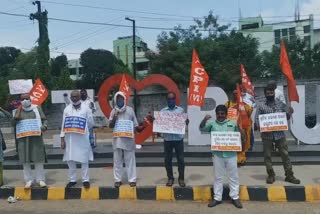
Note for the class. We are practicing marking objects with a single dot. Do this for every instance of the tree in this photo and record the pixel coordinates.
(304, 60)
(58, 64)
(221, 52)
(8, 56)
(97, 65)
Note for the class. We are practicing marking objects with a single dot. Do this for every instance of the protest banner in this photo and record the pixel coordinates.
(169, 122)
(20, 86)
(198, 81)
(38, 93)
(123, 128)
(273, 122)
(28, 127)
(226, 141)
(74, 124)
(232, 114)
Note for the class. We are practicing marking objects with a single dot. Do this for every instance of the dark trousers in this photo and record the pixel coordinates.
(282, 146)
(168, 153)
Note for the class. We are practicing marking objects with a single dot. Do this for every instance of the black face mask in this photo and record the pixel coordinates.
(270, 98)
(83, 97)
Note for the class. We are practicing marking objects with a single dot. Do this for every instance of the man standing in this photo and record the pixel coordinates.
(272, 105)
(174, 141)
(31, 149)
(77, 119)
(223, 160)
(90, 104)
(123, 140)
(3, 114)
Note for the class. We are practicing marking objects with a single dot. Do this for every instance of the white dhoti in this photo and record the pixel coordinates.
(121, 156)
(222, 165)
(27, 172)
(72, 172)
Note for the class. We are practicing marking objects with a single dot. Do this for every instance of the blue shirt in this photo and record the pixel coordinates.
(173, 137)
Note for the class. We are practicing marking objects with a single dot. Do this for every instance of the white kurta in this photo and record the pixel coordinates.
(78, 147)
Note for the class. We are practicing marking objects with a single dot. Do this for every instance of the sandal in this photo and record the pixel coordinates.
(132, 184)
(181, 183)
(170, 183)
(117, 184)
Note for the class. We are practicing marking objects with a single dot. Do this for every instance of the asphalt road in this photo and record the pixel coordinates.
(154, 207)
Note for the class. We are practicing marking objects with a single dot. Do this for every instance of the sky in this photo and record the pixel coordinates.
(73, 38)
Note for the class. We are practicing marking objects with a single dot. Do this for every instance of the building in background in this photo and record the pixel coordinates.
(272, 34)
(75, 69)
(122, 49)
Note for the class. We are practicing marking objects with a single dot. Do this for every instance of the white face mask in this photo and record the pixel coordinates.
(76, 103)
(26, 103)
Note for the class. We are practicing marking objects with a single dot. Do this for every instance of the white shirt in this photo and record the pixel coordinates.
(90, 104)
(78, 146)
(124, 142)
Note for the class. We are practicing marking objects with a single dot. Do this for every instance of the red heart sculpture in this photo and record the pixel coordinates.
(154, 79)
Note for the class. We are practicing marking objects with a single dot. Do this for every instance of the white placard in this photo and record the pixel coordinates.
(27, 127)
(226, 141)
(20, 86)
(169, 122)
(123, 128)
(57, 96)
(273, 122)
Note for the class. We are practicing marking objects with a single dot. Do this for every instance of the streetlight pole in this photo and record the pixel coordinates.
(134, 61)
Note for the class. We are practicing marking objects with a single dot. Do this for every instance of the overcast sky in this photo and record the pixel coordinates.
(73, 38)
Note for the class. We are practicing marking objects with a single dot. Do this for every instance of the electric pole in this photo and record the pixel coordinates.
(134, 61)
(43, 54)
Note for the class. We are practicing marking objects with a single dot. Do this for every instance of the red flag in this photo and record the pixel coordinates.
(198, 82)
(286, 70)
(246, 81)
(38, 93)
(124, 87)
(244, 121)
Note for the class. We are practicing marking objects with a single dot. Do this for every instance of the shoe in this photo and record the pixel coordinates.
(292, 179)
(71, 184)
(170, 182)
(86, 184)
(270, 179)
(28, 185)
(42, 184)
(117, 184)
(214, 203)
(133, 184)
(181, 183)
(237, 203)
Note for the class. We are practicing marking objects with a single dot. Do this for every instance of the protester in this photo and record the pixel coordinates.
(234, 106)
(272, 105)
(75, 141)
(3, 114)
(223, 160)
(123, 145)
(88, 102)
(31, 149)
(174, 141)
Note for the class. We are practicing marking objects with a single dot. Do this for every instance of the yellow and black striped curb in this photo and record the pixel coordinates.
(196, 193)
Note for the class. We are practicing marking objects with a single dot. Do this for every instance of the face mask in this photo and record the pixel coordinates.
(76, 103)
(120, 103)
(171, 103)
(270, 98)
(26, 103)
(83, 97)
